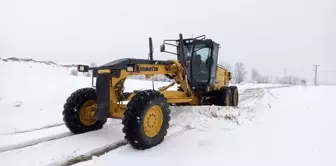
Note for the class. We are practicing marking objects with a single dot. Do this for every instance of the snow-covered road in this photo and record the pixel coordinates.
(284, 126)
(296, 127)
(55, 145)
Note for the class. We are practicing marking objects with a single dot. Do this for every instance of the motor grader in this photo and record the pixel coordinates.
(146, 114)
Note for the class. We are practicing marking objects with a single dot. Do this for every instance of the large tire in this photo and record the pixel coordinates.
(235, 96)
(81, 102)
(141, 110)
(224, 97)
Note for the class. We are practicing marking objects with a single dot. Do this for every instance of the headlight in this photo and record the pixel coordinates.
(130, 68)
(82, 68)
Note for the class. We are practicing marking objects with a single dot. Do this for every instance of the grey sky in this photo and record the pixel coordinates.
(268, 35)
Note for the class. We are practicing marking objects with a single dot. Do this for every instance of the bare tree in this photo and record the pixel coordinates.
(277, 80)
(240, 72)
(255, 75)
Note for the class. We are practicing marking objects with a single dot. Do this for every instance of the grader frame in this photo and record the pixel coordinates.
(146, 116)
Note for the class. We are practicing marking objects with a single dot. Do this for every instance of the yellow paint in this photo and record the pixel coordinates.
(162, 69)
(152, 121)
(174, 94)
(235, 98)
(181, 100)
(119, 113)
(166, 87)
(222, 79)
(86, 113)
(104, 71)
(172, 97)
(175, 70)
(148, 76)
(228, 100)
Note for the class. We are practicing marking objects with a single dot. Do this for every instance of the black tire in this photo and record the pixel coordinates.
(235, 96)
(71, 112)
(134, 118)
(224, 97)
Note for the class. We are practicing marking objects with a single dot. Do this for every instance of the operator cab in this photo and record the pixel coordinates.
(199, 55)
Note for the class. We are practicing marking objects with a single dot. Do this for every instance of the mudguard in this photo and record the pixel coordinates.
(103, 97)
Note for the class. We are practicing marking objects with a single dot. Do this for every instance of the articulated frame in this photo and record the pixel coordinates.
(172, 70)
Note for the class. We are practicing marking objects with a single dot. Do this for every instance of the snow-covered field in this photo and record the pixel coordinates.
(271, 126)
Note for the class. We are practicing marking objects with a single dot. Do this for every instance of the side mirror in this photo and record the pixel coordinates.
(162, 48)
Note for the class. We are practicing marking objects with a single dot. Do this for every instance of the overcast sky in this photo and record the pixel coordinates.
(264, 34)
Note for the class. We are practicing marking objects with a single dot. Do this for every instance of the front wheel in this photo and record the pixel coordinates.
(79, 110)
(235, 96)
(224, 97)
(146, 119)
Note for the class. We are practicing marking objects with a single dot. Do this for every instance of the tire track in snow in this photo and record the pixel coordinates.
(89, 155)
(34, 129)
(250, 94)
(175, 130)
(256, 93)
(34, 141)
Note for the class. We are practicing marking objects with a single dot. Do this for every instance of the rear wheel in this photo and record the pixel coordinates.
(79, 110)
(235, 96)
(224, 97)
(146, 119)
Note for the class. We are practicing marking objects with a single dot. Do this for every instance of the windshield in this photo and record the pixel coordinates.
(201, 51)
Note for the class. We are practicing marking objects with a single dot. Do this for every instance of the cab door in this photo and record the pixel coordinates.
(201, 61)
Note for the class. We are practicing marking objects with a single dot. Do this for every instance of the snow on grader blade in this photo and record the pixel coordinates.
(201, 81)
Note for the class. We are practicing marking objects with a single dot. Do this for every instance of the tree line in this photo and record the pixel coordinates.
(240, 75)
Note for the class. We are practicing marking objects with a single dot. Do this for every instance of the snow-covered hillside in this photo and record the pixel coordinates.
(271, 126)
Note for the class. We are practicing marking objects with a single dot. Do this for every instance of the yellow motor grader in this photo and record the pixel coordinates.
(145, 117)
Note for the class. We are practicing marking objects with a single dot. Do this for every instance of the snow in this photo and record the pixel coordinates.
(61, 151)
(34, 94)
(16, 141)
(293, 126)
(273, 125)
